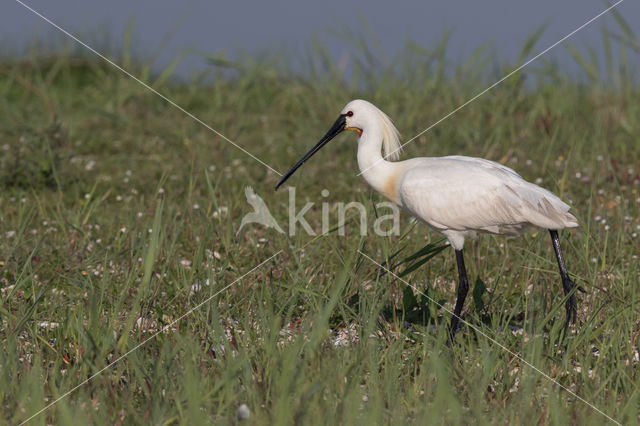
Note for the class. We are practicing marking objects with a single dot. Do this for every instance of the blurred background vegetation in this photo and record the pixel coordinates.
(119, 213)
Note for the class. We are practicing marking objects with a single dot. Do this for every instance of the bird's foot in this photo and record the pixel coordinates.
(571, 305)
(453, 329)
(571, 309)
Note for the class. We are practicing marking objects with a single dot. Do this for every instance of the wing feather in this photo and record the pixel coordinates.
(472, 194)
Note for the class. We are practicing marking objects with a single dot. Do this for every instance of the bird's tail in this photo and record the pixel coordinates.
(551, 212)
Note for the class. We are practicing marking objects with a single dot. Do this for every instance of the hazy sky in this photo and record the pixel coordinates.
(225, 27)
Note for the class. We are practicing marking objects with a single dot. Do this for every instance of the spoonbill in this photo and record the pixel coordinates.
(457, 196)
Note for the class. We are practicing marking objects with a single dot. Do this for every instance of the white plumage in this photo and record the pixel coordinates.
(460, 196)
(457, 196)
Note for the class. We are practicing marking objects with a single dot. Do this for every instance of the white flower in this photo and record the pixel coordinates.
(243, 412)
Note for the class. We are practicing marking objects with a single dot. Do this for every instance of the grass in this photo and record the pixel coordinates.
(120, 214)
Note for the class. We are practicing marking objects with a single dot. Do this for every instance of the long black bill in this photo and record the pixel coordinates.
(337, 127)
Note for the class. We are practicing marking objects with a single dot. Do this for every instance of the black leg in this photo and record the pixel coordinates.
(463, 289)
(567, 284)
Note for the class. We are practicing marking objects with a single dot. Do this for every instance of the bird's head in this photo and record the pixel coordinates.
(358, 115)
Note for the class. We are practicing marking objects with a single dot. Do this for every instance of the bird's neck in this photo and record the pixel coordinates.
(378, 172)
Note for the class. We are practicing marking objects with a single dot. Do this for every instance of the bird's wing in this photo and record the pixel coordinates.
(489, 165)
(464, 193)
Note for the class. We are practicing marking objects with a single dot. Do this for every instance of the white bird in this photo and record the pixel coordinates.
(457, 196)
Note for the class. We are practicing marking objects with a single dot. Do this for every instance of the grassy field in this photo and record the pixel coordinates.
(119, 214)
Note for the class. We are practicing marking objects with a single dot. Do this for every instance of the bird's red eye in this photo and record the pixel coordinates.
(349, 113)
